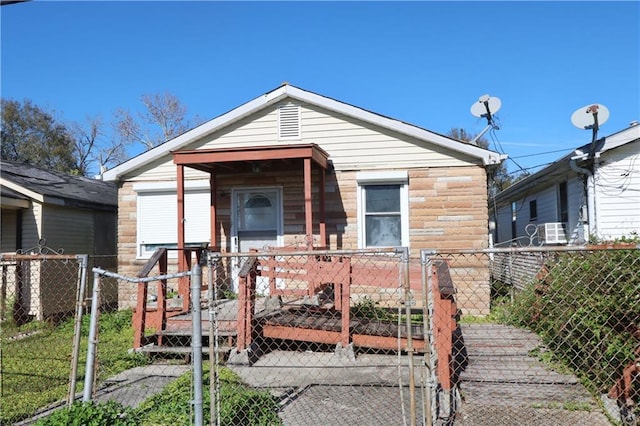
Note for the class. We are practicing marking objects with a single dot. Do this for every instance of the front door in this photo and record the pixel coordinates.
(256, 222)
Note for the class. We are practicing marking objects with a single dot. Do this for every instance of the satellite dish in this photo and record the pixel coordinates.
(485, 106)
(590, 116)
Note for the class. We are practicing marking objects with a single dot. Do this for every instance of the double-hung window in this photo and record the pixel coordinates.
(383, 209)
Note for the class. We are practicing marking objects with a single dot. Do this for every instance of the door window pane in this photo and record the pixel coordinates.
(257, 212)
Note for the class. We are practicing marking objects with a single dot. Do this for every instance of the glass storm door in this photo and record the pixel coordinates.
(256, 222)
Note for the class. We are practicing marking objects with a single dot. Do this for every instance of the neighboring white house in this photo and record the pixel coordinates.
(593, 193)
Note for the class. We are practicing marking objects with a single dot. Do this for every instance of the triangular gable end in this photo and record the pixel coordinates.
(287, 91)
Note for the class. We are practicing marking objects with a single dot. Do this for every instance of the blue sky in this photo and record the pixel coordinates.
(421, 62)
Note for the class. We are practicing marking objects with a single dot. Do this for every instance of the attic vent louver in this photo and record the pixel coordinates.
(289, 125)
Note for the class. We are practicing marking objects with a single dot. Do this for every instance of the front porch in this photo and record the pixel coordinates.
(349, 302)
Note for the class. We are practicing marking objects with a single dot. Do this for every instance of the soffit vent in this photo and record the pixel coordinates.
(289, 121)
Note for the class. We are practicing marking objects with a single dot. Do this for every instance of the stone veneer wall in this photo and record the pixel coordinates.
(448, 210)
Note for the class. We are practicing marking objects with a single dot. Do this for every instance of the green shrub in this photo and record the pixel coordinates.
(240, 404)
(585, 310)
(89, 414)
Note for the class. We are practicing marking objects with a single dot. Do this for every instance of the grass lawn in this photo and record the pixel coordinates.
(36, 361)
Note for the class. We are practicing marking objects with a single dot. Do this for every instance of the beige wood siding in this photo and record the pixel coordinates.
(351, 145)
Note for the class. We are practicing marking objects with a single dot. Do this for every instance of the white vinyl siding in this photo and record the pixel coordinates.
(618, 192)
(503, 224)
(351, 144)
(383, 209)
(158, 219)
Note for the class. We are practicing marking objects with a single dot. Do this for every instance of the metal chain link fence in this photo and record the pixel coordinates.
(509, 336)
(39, 294)
(552, 337)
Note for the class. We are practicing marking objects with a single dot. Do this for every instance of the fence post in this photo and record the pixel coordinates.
(408, 303)
(196, 342)
(427, 279)
(91, 350)
(82, 281)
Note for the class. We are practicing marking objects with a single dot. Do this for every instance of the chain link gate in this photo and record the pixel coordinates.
(325, 337)
(535, 336)
(40, 294)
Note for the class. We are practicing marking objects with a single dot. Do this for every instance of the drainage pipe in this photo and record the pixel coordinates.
(591, 195)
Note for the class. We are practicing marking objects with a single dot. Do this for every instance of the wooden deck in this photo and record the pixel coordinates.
(297, 322)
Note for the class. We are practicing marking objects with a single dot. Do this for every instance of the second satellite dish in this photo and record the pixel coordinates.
(590, 116)
(485, 106)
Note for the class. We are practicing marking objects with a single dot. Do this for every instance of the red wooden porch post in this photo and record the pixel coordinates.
(308, 214)
(139, 315)
(323, 224)
(183, 262)
(242, 313)
(162, 294)
(213, 214)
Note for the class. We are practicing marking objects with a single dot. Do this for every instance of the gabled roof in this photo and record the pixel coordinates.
(287, 91)
(22, 181)
(560, 167)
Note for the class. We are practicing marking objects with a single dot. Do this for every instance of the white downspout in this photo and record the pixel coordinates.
(591, 193)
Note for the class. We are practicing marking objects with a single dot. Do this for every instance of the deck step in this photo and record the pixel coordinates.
(186, 332)
(180, 349)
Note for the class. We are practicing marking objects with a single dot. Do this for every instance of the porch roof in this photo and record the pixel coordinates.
(207, 159)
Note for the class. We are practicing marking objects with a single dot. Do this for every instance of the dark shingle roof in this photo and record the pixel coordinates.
(76, 191)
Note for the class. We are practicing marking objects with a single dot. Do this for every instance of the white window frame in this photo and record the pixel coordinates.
(197, 197)
(364, 179)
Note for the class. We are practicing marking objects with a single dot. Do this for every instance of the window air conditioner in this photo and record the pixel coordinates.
(552, 233)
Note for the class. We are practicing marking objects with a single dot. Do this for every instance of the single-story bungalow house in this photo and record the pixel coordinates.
(295, 168)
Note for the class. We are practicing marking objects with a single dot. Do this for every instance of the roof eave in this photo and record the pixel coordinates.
(284, 91)
(22, 190)
(196, 133)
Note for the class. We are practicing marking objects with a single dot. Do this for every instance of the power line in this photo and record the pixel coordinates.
(544, 153)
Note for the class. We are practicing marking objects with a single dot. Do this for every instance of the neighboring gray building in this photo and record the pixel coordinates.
(75, 214)
(591, 193)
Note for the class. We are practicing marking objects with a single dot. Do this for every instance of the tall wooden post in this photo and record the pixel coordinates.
(308, 205)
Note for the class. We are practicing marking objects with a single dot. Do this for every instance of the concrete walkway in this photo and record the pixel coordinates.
(502, 385)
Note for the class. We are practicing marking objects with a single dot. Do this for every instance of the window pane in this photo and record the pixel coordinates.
(382, 198)
(383, 230)
(257, 213)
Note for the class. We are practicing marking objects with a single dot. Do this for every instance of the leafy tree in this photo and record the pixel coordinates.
(31, 135)
(165, 117)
